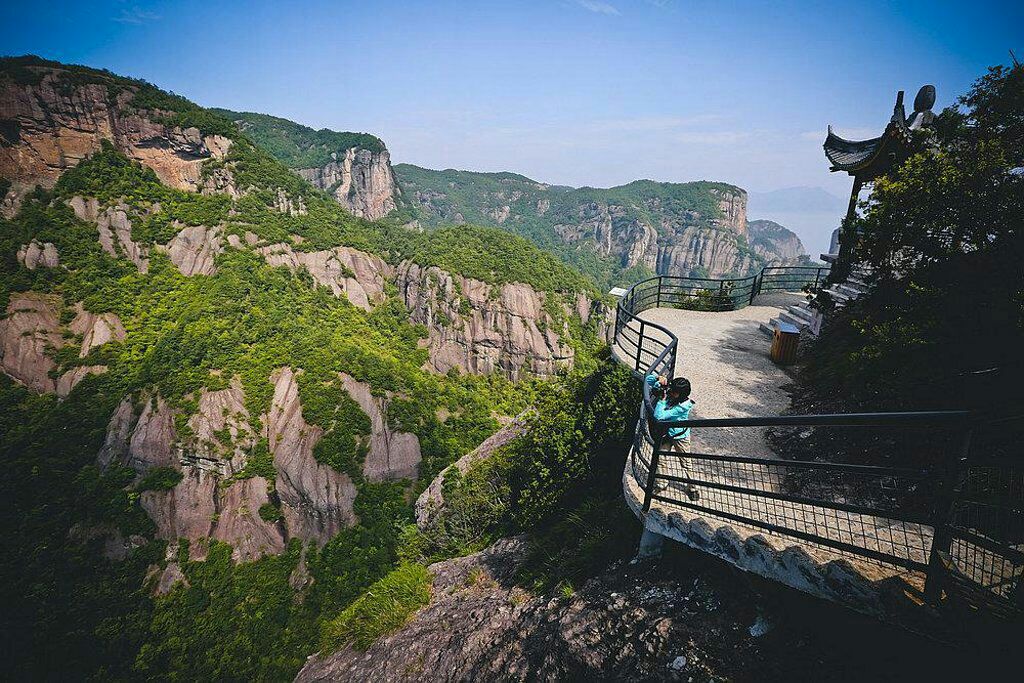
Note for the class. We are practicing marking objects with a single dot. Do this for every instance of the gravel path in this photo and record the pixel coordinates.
(725, 357)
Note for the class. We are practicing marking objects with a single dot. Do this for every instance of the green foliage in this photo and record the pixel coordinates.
(159, 479)
(385, 607)
(575, 436)
(942, 235)
(295, 145)
(536, 209)
(67, 609)
(259, 462)
(175, 110)
(270, 512)
(231, 622)
(579, 544)
(494, 256)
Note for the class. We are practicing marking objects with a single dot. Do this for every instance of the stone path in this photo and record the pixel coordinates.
(726, 358)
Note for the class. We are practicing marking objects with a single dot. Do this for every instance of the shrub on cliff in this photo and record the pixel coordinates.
(384, 608)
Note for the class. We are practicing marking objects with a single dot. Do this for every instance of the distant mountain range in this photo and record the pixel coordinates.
(811, 212)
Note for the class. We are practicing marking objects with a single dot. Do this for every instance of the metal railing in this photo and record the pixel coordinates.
(642, 341)
(958, 522)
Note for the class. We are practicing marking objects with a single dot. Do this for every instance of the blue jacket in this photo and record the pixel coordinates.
(666, 413)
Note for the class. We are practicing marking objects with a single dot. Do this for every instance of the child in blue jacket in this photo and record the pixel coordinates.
(675, 406)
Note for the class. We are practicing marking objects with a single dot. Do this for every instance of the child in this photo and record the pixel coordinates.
(675, 406)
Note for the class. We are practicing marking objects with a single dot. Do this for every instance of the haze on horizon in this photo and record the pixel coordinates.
(573, 92)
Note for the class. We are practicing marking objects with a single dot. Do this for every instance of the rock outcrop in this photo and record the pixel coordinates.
(51, 122)
(316, 500)
(200, 507)
(35, 255)
(208, 502)
(777, 245)
(431, 501)
(114, 228)
(360, 276)
(391, 454)
(483, 328)
(194, 249)
(360, 179)
(648, 622)
(95, 329)
(30, 330)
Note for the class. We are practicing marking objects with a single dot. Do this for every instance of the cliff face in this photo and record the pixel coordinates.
(472, 326)
(218, 497)
(355, 168)
(49, 125)
(775, 243)
(663, 227)
(482, 328)
(255, 481)
(360, 179)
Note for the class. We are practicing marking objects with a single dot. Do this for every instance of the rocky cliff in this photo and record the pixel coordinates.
(354, 168)
(698, 228)
(360, 179)
(49, 122)
(777, 245)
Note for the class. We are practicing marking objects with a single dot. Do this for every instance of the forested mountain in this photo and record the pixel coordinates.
(220, 388)
(615, 235)
(354, 168)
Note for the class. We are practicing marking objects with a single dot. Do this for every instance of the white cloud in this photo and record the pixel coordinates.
(597, 6)
(641, 123)
(721, 137)
(136, 15)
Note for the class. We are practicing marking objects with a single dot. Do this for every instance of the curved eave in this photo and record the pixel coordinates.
(850, 155)
(855, 156)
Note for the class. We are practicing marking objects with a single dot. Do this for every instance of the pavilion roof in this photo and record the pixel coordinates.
(870, 158)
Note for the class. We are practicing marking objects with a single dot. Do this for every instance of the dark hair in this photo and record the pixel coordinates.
(680, 386)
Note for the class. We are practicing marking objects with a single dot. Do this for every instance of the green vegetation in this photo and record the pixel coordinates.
(295, 145)
(942, 233)
(536, 209)
(72, 612)
(577, 432)
(382, 609)
(159, 479)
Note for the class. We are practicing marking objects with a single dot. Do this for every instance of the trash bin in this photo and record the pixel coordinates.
(784, 343)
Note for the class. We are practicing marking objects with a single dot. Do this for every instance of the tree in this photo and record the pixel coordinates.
(942, 233)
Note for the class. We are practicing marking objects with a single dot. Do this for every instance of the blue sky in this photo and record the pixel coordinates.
(596, 92)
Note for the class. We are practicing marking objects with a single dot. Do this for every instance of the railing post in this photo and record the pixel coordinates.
(942, 537)
(652, 472)
(659, 292)
(753, 290)
(639, 346)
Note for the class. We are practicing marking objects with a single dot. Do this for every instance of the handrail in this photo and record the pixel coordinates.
(652, 348)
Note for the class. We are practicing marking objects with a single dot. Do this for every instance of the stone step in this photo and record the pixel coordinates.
(768, 328)
(840, 297)
(788, 317)
(859, 281)
(852, 290)
(802, 311)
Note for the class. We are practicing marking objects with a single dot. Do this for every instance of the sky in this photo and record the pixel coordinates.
(573, 92)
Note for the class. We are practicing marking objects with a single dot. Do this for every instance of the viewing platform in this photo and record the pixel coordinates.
(863, 536)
